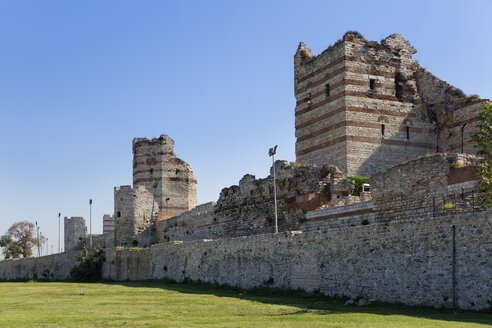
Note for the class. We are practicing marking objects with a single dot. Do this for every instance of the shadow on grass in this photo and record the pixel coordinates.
(313, 303)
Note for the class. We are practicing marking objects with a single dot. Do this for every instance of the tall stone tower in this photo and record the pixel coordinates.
(358, 106)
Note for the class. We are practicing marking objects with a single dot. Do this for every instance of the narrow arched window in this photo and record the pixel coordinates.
(408, 133)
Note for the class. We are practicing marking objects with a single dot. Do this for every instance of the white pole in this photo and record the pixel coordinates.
(275, 193)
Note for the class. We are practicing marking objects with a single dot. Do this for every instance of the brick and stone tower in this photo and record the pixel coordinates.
(358, 106)
(154, 161)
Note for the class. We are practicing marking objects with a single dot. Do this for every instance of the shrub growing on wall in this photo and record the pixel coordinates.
(358, 183)
(483, 144)
(90, 264)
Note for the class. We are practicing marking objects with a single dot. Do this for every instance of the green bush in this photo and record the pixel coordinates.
(90, 264)
(456, 165)
(358, 183)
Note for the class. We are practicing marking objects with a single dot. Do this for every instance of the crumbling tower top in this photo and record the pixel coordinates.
(154, 161)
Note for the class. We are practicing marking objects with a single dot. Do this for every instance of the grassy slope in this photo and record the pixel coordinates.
(158, 304)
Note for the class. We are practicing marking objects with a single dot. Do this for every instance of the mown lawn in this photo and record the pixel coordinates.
(160, 304)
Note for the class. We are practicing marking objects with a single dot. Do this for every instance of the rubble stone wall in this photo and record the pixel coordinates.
(248, 208)
(426, 187)
(402, 261)
(405, 261)
(450, 134)
(55, 267)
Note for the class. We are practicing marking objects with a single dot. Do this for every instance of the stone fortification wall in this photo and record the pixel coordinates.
(248, 208)
(405, 261)
(56, 267)
(341, 216)
(75, 232)
(450, 133)
(425, 187)
(105, 240)
(197, 223)
(402, 261)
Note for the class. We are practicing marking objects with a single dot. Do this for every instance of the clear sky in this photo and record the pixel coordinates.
(80, 79)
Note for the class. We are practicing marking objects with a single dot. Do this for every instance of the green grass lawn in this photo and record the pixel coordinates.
(160, 304)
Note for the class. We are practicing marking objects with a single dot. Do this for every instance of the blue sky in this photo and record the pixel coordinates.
(80, 79)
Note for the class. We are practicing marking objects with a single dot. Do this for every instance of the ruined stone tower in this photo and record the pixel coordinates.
(153, 161)
(75, 232)
(358, 106)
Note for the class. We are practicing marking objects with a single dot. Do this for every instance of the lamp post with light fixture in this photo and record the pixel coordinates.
(272, 152)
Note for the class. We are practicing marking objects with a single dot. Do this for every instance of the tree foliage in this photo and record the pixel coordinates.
(483, 143)
(90, 264)
(19, 240)
(10, 248)
(359, 181)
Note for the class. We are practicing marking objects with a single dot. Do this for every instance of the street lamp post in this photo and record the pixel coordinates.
(462, 134)
(37, 236)
(59, 214)
(152, 213)
(90, 222)
(272, 152)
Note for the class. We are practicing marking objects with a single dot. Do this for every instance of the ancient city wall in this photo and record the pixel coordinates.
(406, 261)
(450, 133)
(402, 261)
(428, 186)
(248, 208)
(56, 266)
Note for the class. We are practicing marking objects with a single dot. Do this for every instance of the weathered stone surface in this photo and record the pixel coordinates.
(366, 106)
(75, 232)
(402, 261)
(154, 161)
(420, 188)
(248, 208)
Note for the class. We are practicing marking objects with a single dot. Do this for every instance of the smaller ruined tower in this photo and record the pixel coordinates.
(75, 232)
(154, 161)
